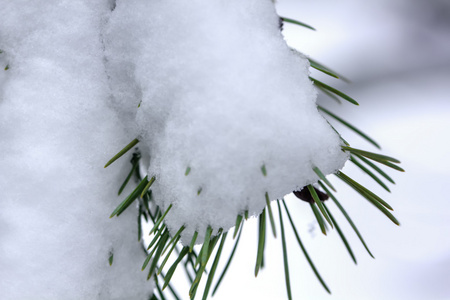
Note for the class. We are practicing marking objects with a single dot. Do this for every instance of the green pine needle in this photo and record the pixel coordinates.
(150, 255)
(194, 238)
(320, 67)
(319, 203)
(292, 21)
(172, 291)
(229, 260)
(341, 234)
(160, 219)
(175, 237)
(393, 166)
(146, 200)
(368, 172)
(122, 152)
(205, 250)
(156, 237)
(326, 92)
(158, 253)
(130, 199)
(272, 221)
(172, 269)
(111, 258)
(139, 222)
(349, 220)
(158, 289)
(261, 241)
(214, 267)
(350, 126)
(319, 218)
(147, 187)
(304, 250)
(285, 257)
(202, 269)
(383, 159)
(135, 162)
(322, 176)
(334, 91)
(364, 192)
(188, 170)
(263, 170)
(238, 224)
(375, 167)
(168, 254)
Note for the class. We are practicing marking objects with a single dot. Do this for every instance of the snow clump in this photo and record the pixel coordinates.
(219, 94)
(57, 131)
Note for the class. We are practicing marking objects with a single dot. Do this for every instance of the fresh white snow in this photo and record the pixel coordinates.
(221, 94)
(206, 85)
(57, 131)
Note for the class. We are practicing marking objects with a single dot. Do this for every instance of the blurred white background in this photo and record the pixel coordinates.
(397, 56)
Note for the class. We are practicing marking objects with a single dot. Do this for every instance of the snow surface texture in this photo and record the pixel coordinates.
(220, 93)
(57, 131)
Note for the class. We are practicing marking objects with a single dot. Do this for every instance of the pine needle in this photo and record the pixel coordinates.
(322, 176)
(319, 203)
(261, 241)
(368, 172)
(172, 269)
(272, 222)
(238, 224)
(350, 126)
(375, 167)
(174, 294)
(150, 255)
(122, 152)
(229, 260)
(158, 252)
(160, 219)
(349, 220)
(304, 250)
(383, 159)
(214, 266)
(319, 219)
(292, 21)
(364, 192)
(194, 238)
(285, 257)
(175, 237)
(341, 234)
(130, 199)
(334, 91)
(156, 237)
(205, 250)
(263, 170)
(135, 163)
(168, 254)
(149, 184)
(111, 258)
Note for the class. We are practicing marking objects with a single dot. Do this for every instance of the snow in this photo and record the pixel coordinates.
(57, 130)
(221, 94)
(205, 85)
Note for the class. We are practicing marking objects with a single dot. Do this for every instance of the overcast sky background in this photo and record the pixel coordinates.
(397, 55)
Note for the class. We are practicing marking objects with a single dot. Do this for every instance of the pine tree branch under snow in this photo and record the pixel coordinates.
(222, 119)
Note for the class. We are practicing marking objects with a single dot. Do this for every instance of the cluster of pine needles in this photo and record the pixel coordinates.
(163, 244)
